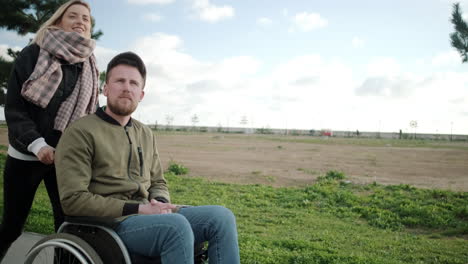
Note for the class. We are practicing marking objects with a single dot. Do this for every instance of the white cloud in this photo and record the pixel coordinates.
(163, 54)
(309, 21)
(264, 21)
(103, 56)
(153, 17)
(312, 74)
(448, 58)
(180, 85)
(222, 91)
(208, 12)
(385, 78)
(15, 39)
(145, 2)
(456, 1)
(172, 68)
(4, 51)
(299, 67)
(357, 42)
(383, 66)
(430, 99)
(236, 67)
(395, 87)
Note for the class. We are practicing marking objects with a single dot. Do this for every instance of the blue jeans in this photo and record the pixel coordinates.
(172, 236)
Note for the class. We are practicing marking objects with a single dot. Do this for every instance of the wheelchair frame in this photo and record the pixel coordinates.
(83, 239)
(92, 240)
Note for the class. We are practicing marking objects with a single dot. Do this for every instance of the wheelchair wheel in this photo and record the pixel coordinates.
(62, 248)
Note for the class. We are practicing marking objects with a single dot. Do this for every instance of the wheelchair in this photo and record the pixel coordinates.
(91, 240)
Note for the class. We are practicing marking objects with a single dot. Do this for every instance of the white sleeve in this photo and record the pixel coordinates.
(36, 145)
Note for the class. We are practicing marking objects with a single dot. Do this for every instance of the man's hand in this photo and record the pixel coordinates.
(46, 155)
(155, 207)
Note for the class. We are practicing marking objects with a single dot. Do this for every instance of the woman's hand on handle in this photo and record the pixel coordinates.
(46, 155)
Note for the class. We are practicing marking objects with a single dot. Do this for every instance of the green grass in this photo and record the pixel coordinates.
(332, 221)
(327, 222)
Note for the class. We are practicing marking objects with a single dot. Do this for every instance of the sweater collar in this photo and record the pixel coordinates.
(104, 116)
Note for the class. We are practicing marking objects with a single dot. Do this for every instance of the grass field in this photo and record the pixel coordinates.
(331, 221)
(359, 141)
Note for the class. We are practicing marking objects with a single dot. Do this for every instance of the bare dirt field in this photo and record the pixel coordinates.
(298, 161)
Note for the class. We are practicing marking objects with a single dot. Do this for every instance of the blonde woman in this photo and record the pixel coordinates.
(53, 83)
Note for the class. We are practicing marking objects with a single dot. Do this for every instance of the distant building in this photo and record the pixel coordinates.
(326, 132)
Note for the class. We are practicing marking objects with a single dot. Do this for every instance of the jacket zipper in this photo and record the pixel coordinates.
(129, 161)
(140, 155)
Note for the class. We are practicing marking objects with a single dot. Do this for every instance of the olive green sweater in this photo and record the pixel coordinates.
(106, 170)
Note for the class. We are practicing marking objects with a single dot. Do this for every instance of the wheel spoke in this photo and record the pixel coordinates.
(62, 248)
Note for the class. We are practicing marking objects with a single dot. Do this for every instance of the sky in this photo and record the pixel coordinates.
(367, 65)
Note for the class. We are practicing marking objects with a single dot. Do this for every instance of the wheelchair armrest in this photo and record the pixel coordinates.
(104, 221)
(93, 220)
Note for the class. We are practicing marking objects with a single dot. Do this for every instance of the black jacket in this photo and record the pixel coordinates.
(26, 121)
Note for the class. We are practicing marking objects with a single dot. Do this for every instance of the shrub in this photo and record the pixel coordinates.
(264, 131)
(177, 169)
(333, 175)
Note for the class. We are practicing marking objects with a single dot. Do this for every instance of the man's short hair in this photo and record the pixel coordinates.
(127, 58)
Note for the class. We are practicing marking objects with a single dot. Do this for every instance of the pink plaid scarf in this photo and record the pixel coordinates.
(47, 75)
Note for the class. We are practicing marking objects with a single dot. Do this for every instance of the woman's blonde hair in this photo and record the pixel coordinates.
(56, 18)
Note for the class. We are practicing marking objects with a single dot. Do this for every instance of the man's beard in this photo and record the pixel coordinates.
(121, 110)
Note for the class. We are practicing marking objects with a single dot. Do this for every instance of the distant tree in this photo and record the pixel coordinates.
(26, 16)
(169, 120)
(13, 54)
(451, 131)
(459, 38)
(5, 67)
(195, 120)
(414, 125)
(95, 34)
(244, 120)
(102, 80)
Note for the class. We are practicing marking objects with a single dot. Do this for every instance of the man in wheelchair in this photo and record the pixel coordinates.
(108, 166)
